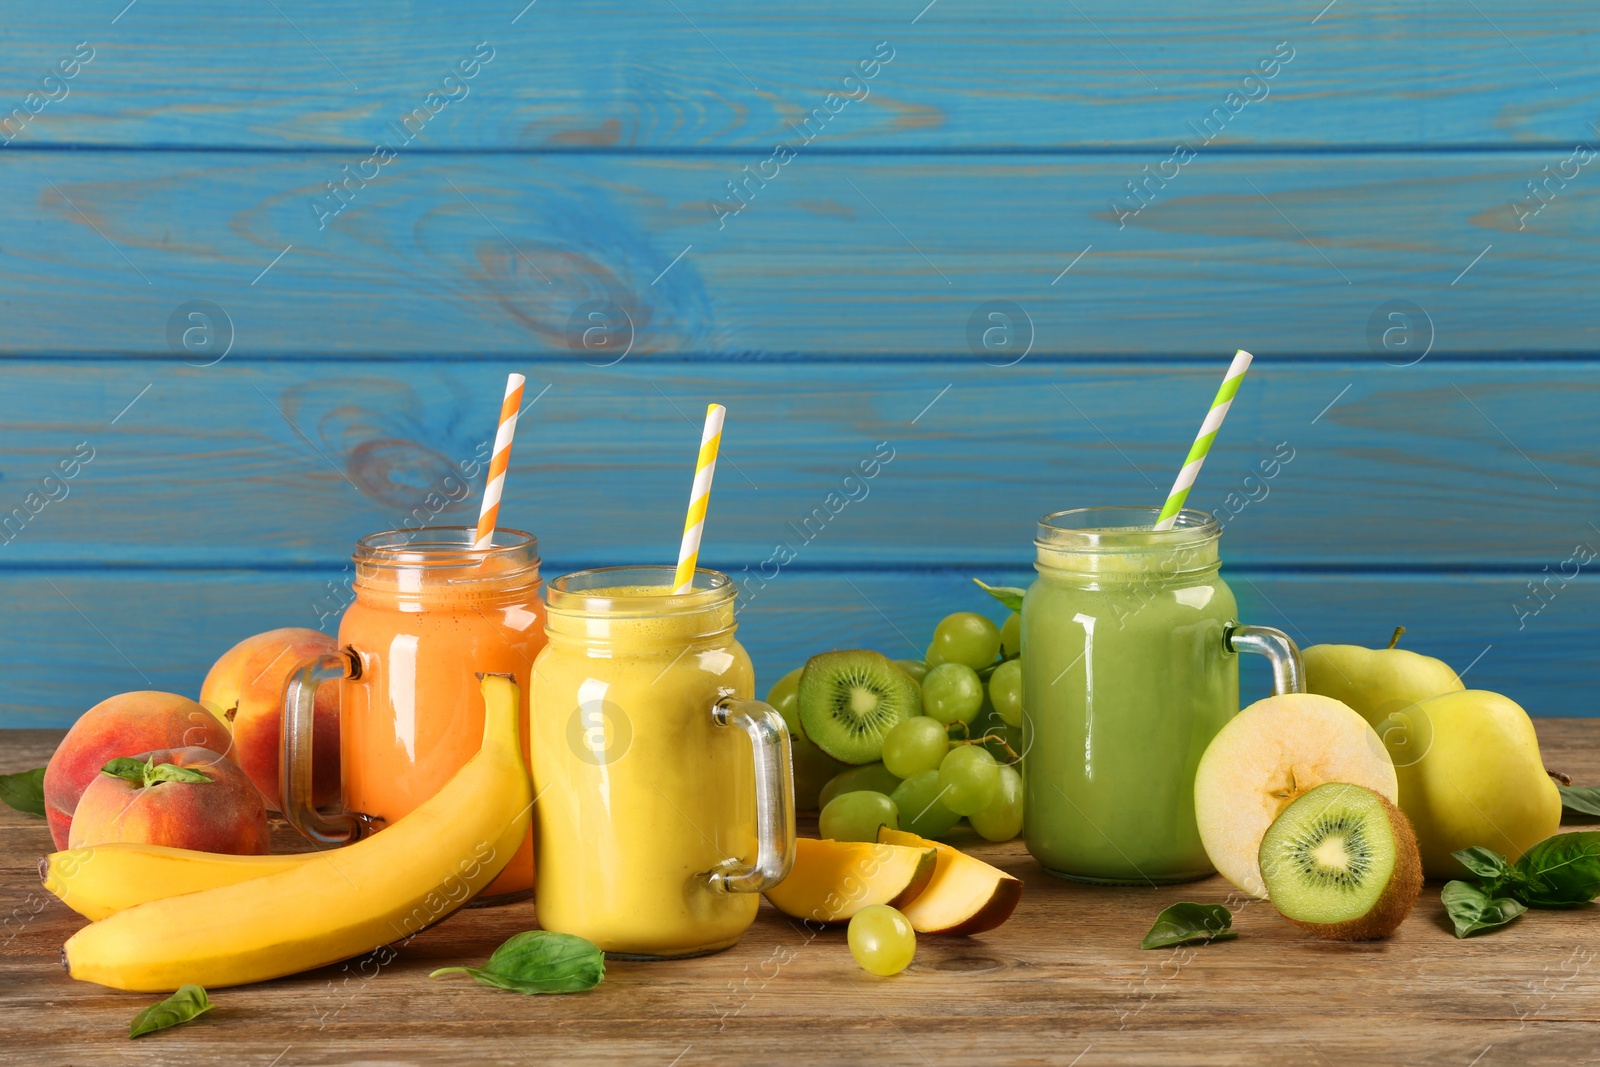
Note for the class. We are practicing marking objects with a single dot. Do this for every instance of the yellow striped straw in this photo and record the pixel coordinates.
(699, 497)
(1202, 441)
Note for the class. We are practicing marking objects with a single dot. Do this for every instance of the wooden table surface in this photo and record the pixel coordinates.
(1064, 982)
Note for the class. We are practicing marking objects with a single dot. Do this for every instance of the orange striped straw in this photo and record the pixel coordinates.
(499, 461)
(695, 523)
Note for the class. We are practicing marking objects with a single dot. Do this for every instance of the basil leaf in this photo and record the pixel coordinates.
(1008, 595)
(24, 791)
(539, 961)
(125, 767)
(187, 1003)
(1483, 862)
(1472, 910)
(145, 773)
(1561, 871)
(171, 772)
(1185, 922)
(1579, 801)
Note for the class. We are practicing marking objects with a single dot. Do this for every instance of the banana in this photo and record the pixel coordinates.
(100, 880)
(333, 905)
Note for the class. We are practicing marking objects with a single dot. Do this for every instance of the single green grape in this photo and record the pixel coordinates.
(925, 814)
(857, 816)
(1005, 692)
(915, 744)
(1002, 819)
(870, 776)
(969, 777)
(785, 690)
(1010, 636)
(914, 667)
(784, 696)
(952, 691)
(881, 940)
(965, 637)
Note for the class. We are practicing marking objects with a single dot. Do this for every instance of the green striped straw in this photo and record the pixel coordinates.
(1202, 441)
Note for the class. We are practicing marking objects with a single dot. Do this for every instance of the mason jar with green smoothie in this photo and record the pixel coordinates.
(1130, 667)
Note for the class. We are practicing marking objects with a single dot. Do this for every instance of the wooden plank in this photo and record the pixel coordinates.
(285, 464)
(631, 74)
(89, 634)
(891, 256)
(1063, 979)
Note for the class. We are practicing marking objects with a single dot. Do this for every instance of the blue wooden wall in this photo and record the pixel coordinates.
(1143, 188)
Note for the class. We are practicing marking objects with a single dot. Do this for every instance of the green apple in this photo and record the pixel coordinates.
(1377, 682)
(1480, 781)
(812, 766)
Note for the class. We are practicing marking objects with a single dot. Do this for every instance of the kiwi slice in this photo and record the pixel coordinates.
(849, 700)
(1341, 862)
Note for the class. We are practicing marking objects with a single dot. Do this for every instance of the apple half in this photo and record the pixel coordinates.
(1265, 757)
(966, 895)
(832, 880)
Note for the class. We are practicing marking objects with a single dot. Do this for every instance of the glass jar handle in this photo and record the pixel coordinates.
(1288, 671)
(769, 742)
(294, 758)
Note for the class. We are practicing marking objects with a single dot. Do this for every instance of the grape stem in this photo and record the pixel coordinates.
(1011, 754)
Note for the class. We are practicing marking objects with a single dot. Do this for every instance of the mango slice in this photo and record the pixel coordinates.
(832, 880)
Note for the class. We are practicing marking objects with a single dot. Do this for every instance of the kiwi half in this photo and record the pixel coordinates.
(849, 700)
(1341, 862)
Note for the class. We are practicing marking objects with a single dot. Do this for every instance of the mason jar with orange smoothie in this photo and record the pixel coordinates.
(430, 613)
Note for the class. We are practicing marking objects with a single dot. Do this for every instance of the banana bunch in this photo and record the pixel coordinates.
(240, 919)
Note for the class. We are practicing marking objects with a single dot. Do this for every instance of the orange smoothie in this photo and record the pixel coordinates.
(427, 617)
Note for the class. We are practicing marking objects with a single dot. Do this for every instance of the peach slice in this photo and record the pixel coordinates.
(966, 895)
(832, 880)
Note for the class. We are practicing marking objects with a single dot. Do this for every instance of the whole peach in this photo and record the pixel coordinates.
(245, 689)
(121, 726)
(225, 814)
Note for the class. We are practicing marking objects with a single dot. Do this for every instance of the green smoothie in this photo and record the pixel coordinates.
(1126, 679)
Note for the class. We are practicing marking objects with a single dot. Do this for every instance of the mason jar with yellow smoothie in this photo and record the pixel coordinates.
(664, 801)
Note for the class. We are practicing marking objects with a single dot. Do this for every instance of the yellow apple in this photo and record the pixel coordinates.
(1480, 781)
(1382, 685)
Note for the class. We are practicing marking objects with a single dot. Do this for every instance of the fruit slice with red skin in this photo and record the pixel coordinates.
(832, 880)
(966, 895)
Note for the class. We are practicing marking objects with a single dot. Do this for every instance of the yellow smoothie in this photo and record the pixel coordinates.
(640, 795)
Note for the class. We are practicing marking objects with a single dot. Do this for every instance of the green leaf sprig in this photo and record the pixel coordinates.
(1579, 803)
(146, 773)
(24, 791)
(1562, 871)
(539, 961)
(1472, 909)
(1008, 595)
(1186, 922)
(189, 1002)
